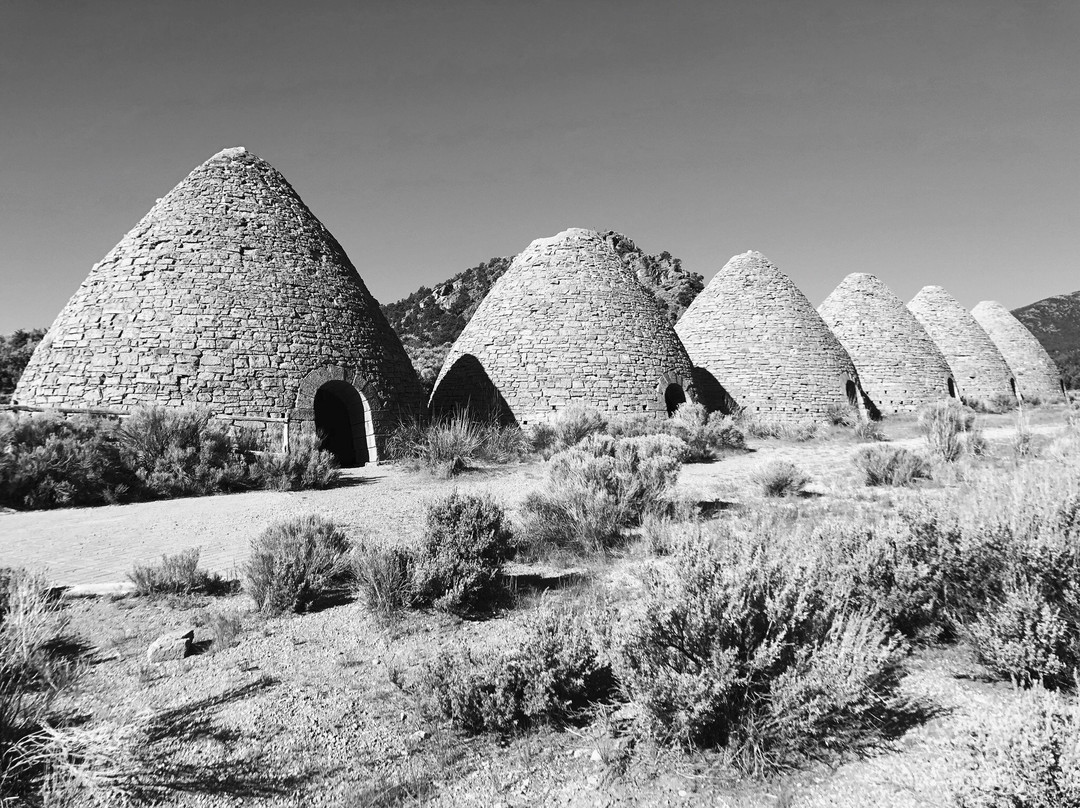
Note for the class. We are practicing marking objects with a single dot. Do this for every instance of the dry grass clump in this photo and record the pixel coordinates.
(779, 478)
(178, 574)
(446, 445)
(764, 426)
(295, 562)
(384, 577)
(951, 430)
(889, 465)
(596, 491)
(34, 672)
(224, 629)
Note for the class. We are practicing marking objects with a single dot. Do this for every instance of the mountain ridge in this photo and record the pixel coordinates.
(1055, 322)
(430, 319)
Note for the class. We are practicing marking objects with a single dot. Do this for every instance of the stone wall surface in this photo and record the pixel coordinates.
(227, 295)
(1036, 373)
(978, 367)
(567, 323)
(765, 344)
(899, 365)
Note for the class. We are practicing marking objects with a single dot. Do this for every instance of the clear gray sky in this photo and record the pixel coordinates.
(925, 141)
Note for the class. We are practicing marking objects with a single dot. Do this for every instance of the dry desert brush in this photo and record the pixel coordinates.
(889, 465)
(950, 430)
(155, 453)
(741, 644)
(178, 574)
(1027, 755)
(445, 445)
(34, 672)
(466, 540)
(555, 676)
(383, 577)
(780, 478)
(295, 562)
(599, 489)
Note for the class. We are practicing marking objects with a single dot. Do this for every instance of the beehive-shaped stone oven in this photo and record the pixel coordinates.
(758, 343)
(900, 367)
(568, 323)
(230, 295)
(977, 365)
(1037, 375)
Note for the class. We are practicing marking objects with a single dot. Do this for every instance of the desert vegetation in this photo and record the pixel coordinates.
(50, 461)
(748, 642)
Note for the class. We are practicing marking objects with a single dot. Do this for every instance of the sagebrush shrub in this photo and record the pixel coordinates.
(1027, 756)
(869, 430)
(305, 465)
(890, 465)
(555, 675)
(729, 621)
(181, 452)
(466, 540)
(950, 430)
(295, 562)
(779, 478)
(48, 462)
(842, 415)
(995, 405)
(53, 462)
(598, 489)
(707, 436)
(577, 422)
(1025, 637)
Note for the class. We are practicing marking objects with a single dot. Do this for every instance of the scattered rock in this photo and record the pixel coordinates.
(170, 646)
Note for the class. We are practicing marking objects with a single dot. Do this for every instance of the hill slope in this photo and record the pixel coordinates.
(1055, 322)
(429, 320)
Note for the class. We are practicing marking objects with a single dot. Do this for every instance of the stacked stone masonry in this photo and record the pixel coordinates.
(231, 295)
(567, 323)
(900, 367)
(1037, 375)
(978, 367)
(765, 346)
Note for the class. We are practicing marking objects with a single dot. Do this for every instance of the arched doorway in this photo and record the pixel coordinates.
(673, 397)
(952, 388)
(340, 422)
(852, 393)
(467, 388)
(711, 393)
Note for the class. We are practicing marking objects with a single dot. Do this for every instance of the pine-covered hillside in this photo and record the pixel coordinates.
(1055, 322)
(15, 351)
(429, 320)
